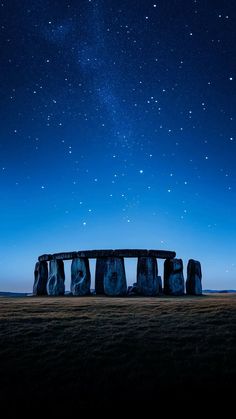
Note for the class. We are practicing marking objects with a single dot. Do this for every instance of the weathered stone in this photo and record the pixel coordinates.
(114, 277)
(56, 279)
(80, 277)
(130, 253)
(93, 254)
(194, 278)
(45, 258)
(173, 277)
(161, 254)
(64, 255)
(147, 280)
(99, 275)
(40, 278)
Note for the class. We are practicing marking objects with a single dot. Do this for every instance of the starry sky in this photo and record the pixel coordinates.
(118, 131)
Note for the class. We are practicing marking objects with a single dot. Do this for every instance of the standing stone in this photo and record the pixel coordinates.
(114, 277)
(40, 278)
(173, 277)
(147, 279)
(80, 277)
(194, 278)
(56, 279)
(99, 275)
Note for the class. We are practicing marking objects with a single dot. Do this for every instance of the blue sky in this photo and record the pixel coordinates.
(118, 130)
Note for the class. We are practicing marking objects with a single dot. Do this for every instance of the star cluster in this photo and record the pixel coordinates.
(118, 130)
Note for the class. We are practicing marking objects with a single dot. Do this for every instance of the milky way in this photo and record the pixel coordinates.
(118, 130)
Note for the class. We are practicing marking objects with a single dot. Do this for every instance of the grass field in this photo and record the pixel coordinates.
(101, 350)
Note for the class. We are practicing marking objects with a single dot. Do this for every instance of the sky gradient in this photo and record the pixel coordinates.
(117, 131)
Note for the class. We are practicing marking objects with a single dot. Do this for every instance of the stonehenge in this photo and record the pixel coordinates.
(110, 275)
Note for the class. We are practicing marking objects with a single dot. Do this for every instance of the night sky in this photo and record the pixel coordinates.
(117, 131)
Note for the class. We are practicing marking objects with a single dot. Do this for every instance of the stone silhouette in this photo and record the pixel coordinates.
(80, 277)
(147, 279)
(110, 277)
(56, 278)
(173, 277)
(40, 278)
(94, 254)
(99, 275)
(114, 277)
(194, 278)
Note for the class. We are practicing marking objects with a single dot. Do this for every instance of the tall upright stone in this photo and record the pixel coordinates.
(173, 277)
(99, 275)
(80, 277)
(56, 278)
(40, 278)
(114, 277)
(147, 278)
(194, 278)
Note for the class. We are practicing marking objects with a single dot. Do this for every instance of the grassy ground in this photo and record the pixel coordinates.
(101, 350)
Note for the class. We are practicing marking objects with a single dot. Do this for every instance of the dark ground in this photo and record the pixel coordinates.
(100, 351)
